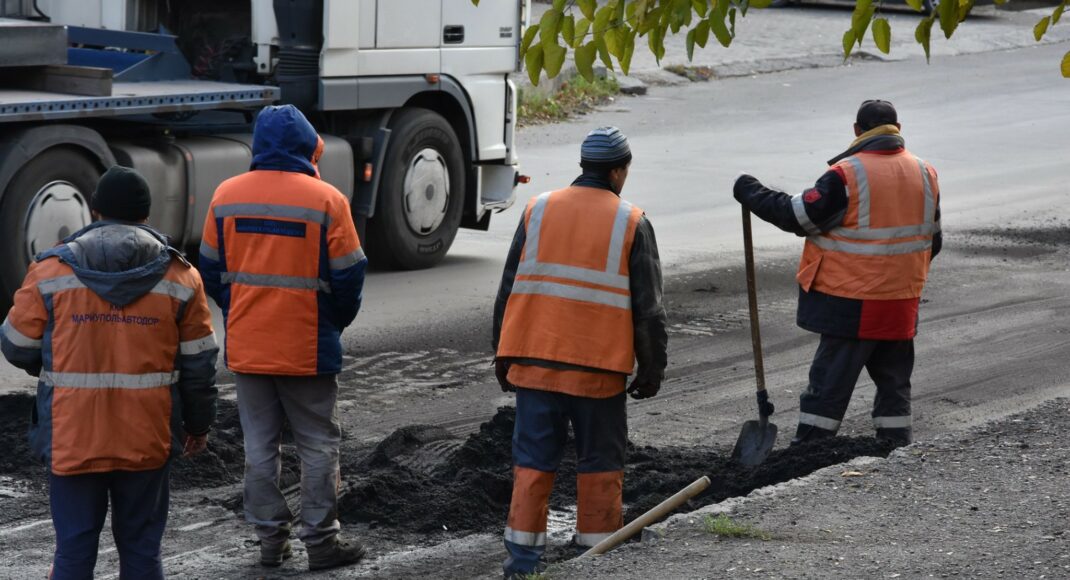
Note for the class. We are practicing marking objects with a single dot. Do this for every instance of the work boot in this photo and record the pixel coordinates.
(894, 437)
(333, 553)
(806, 433)
(272, 555)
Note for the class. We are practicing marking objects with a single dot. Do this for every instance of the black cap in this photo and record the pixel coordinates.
(122, 194)
(875, 113)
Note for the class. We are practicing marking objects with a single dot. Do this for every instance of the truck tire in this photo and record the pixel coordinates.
(421, 193)
(45, 201)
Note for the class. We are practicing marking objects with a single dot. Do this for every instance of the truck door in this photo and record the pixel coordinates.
(494, 23)
(409, 24)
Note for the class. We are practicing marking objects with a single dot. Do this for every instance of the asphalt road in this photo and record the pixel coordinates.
(995, 328)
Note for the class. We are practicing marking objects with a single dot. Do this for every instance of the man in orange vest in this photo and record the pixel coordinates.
(579, 304)
(281, 257)
(872, 225)
(115, 324)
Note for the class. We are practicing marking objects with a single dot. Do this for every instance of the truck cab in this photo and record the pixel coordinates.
(412, 98)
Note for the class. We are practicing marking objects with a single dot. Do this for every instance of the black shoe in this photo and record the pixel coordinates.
(272, 555)
(333, 553)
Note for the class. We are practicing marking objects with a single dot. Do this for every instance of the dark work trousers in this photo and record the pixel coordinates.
(833, 374)
(139, 502)
(600, 427)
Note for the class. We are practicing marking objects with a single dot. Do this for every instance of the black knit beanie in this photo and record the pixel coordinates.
(122, 194)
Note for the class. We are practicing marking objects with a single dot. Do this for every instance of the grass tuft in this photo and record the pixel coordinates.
(726, 527)
(577, 96)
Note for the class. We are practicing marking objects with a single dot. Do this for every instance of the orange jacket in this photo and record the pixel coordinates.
(882, 249)
(570, 301)
(116, 324)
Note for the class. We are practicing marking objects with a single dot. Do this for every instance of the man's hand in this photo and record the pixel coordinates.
(194, 445)
(740, 185)
(643, 388)
(501, 371)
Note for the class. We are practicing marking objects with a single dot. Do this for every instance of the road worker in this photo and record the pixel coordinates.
(872, 225)
(115, 324)
(579, 304)
(281, 257)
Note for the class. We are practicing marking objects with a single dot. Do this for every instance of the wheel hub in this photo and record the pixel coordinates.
(56, 211)
(426, 191)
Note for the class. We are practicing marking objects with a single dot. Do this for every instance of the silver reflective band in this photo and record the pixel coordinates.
(819, 421)
(525, 538)
(531, 244)
(930, 200)
(885, 233)
(616, 239)
(798, 206)
(275, 281)
(573, 293)
(869, 249)
(191, 347)
(109, 380)
(573, 273)
(173, 289)
(863, 191)
(209, 252)
(17, 338)
(351, 259)
(892, 422)
(53, 285)
(271, 210)
(591, 540)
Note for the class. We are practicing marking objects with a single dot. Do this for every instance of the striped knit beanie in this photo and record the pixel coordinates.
(605, 148)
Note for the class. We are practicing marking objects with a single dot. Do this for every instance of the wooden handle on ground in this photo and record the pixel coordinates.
(752, 301)
(649, 517)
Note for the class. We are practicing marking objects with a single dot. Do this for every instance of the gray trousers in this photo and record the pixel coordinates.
(265, 403)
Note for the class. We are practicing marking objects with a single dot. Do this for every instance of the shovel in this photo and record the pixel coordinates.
(757, 437)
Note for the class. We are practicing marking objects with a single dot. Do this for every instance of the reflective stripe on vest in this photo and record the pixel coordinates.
(109, 380)
(17, 338)
(276, 281)
(175, 290)
(610, 276)
(271, 210)
(864, 233)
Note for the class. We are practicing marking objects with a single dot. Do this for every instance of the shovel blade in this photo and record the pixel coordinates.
(754, 443)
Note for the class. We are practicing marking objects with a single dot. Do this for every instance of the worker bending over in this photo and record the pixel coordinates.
(872, 225)
(579, 304)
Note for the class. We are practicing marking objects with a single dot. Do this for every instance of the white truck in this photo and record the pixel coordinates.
(412, 98)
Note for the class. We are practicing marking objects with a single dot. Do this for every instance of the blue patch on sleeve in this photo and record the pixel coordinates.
(269, 227)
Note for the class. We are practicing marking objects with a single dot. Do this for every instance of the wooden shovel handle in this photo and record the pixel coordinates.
(752, 302)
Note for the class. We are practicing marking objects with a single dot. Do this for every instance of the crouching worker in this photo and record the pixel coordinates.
(579, 303)
(116, 325)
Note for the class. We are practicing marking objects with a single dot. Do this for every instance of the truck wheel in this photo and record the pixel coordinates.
(46, 201)
(421, 194)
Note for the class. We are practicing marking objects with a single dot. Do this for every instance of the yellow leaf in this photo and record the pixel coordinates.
(1066, 65)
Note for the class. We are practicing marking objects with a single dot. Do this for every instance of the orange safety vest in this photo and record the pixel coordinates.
(571, 300)
(882, 249)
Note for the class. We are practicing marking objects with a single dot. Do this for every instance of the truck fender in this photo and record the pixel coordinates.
(18, 147)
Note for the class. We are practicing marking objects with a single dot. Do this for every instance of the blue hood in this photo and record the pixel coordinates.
(120, 262)
(284, 140)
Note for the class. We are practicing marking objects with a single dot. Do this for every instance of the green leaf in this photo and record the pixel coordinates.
(848, 44)
(732, 22)
(529, 37)
(568, 30)
(615, 41)
(585, 56)
(923, 34)
(949, 16)
(550, 27)
(1055, 16)
(601, 20)
(656, 41)
(861, 18)
(629, 50)
(701, 7)
(882, 34)
(475, 2)
(554, 59)
(588, 7)
(702, 33)
(603, 53)
(1041, 28)
(533, 62)
(760, 4)
(559, 5)
(720, 31)
(917, 5)
(1066, 65)
(582, 27)
(690, 45)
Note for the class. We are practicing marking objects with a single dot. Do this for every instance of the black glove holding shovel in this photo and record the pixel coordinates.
(501, 372)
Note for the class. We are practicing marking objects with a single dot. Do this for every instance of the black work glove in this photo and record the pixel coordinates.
(501, 371)
(765, 406)
(643, 388)
(743, 182)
